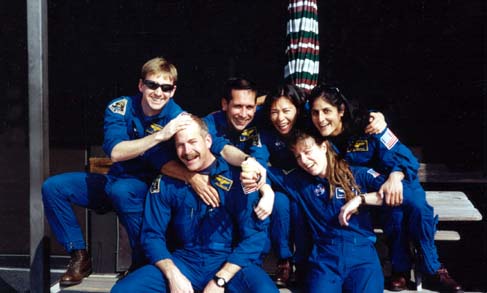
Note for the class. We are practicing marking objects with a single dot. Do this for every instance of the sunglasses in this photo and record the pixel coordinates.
(154, 86)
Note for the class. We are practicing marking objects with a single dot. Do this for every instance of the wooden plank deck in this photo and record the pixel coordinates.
(453, 206)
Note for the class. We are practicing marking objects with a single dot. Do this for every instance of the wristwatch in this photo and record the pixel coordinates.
(220, 282)
(362, 199)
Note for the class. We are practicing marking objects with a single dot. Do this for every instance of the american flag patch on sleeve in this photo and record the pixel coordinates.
(373, 173)
(389, 139)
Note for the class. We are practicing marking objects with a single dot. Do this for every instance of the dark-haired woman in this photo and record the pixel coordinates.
(285, 108)
(341, 122)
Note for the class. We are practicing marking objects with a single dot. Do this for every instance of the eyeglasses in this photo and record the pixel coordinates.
(154, 86)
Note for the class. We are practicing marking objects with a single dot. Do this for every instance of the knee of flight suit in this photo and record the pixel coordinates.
(281, 204)
(50, 188)
(252, 279)
(127, 197)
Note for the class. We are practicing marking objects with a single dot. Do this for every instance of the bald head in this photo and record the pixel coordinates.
(193, 145)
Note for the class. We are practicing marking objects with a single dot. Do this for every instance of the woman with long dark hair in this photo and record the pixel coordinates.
(339, 120)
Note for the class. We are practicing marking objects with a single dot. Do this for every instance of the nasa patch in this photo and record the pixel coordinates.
(280, 145)
(319, 190)
(119, 107)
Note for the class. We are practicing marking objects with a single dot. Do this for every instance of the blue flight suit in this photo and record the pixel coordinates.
(203, 238)
(124, 188)
(249, 141)
(342, 258)
(281, 157)
(415, 218)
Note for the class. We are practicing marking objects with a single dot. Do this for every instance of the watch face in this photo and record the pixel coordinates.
(220, 282)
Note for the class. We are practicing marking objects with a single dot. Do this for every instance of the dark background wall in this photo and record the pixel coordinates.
(422, 63)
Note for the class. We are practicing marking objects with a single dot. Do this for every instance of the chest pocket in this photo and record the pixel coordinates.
(136, 129)
(185, 220)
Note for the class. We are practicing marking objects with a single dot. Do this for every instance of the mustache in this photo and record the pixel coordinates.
(190, 156)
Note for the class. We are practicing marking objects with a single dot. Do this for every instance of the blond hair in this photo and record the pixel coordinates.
(159, 65)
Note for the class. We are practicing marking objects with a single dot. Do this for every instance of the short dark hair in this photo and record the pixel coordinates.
(237, 83)
(355, 117)
(291, 92)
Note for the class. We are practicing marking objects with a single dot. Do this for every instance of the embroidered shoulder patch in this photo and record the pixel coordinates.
(223, 182)
(339, 193)
(389, 139)
(155, 187)
(119, 107)
(360, 145)
(373, 173)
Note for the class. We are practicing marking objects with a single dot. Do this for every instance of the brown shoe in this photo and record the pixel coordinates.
(443, 281)
(398, 282)
(283, 272)
(79, 267)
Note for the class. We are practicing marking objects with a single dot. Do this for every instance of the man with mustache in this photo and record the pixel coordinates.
(215, 249)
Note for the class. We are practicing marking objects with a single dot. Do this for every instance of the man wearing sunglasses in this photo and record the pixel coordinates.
(134, 128)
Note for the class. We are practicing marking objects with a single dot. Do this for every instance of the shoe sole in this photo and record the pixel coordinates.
(72, 283)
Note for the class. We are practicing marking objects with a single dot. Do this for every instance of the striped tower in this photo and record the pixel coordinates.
(303, 46)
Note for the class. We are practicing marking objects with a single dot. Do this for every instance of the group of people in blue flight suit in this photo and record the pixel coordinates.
(198, 226)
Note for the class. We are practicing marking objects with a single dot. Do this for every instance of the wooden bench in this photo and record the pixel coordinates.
(449, 206)
(99, 165)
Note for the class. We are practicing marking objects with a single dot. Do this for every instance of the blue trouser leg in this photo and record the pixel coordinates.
(345, 267)
(79, 188)
(150, 279)
(301, 233)
(396, 232)
(364, 272)
(251, 279)
(145, 279)
(127, 196)
(421, 224)
(280, 225)
(199, 269)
